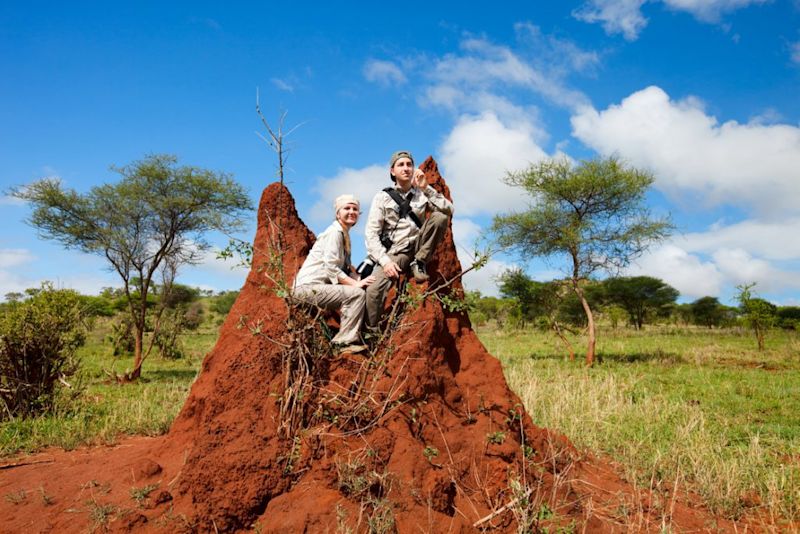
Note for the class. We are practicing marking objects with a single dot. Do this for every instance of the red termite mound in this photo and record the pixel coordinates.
(423, 434)
(441, 443)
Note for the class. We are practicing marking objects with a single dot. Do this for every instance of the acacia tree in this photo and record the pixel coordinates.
(592, 215)
(707, 311)
(151, 222)
(757, 313)
(640, 296)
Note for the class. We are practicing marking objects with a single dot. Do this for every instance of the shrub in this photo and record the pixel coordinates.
(223, 303)
(121, 336)
(38, 340)
(193, 316)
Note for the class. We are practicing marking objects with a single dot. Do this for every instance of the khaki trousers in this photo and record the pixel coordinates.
(430, 235)
(332, 297)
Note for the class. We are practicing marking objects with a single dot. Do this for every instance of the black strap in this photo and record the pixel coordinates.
(405, 205)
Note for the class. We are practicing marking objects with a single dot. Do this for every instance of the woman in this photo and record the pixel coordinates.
(324, 279)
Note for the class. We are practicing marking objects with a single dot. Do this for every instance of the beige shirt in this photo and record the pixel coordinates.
(384, 215)
(326, 260)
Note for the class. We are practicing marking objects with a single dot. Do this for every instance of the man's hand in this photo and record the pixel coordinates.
(391, 269)
(419, 179)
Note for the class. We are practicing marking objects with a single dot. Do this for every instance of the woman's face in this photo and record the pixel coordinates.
(348, 215)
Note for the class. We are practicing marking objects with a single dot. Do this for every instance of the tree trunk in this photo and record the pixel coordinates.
(760, 337)
(590, 323)
(138, 336)
(564, 339)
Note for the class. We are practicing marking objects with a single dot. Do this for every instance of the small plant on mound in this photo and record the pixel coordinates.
(38, 340)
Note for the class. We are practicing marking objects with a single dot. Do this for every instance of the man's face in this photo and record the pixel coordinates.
(403, 171)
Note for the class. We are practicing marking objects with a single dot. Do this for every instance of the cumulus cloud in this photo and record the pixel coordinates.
(18, 272)
(14, 257)
(625, 16)
(483, 67)
(476, 156)
(364, 183)
(687, 273)
(485, 279)
(616, 16)
(384, 72)
(709, 10)
(772, 240)
(750, 165)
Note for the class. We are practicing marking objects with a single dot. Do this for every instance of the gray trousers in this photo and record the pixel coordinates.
(332, 297)
(430, 235)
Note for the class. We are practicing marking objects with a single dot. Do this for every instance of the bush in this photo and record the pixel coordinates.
(38, 340)
(223, 303)
(193, 316)
(121, 336)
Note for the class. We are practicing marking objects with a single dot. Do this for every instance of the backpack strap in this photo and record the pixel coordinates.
(405, 205)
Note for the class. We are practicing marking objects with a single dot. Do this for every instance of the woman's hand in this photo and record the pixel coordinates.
(364, 282)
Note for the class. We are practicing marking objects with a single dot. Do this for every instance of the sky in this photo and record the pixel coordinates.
(705, 94)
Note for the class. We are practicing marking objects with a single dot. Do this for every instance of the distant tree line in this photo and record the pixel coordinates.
(634, 301)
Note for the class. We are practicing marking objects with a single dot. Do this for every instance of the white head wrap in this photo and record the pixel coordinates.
(342, 200)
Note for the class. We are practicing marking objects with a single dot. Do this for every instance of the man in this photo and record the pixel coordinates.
(324, 279)
(399, 237)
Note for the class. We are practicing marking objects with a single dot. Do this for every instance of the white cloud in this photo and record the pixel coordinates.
(363, 183)
(466, 232)
(776, 240)
(616, 16)
(14, 257)
(625, 16)
(7, 200)
(751, 165)
(483, 66)
(484, 279)
(709, 10)
(686, 272)
(283, 85)
(383, 72)
(475, 157)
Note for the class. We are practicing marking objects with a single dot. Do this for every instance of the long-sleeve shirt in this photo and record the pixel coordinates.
(326, 260)
(384, 216)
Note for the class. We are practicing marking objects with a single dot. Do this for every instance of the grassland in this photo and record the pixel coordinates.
(694, 408)
(106, 410)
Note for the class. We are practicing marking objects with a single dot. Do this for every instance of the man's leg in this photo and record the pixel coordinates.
(430, 235)
(376, 292)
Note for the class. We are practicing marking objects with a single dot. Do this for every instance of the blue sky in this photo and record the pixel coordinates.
(702, 93)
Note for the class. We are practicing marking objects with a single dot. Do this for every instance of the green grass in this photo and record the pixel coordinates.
(699, 408)
(106, 409)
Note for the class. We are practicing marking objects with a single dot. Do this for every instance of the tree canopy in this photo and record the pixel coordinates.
(591, 214)
(153, 220)
(640, 296)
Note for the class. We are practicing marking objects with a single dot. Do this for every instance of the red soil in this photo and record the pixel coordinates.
(436, 445)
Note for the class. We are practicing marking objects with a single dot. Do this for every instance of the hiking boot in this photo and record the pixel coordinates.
(418, 271)
(352, 348)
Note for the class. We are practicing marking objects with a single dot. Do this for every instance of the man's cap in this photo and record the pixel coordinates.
(400, 154)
